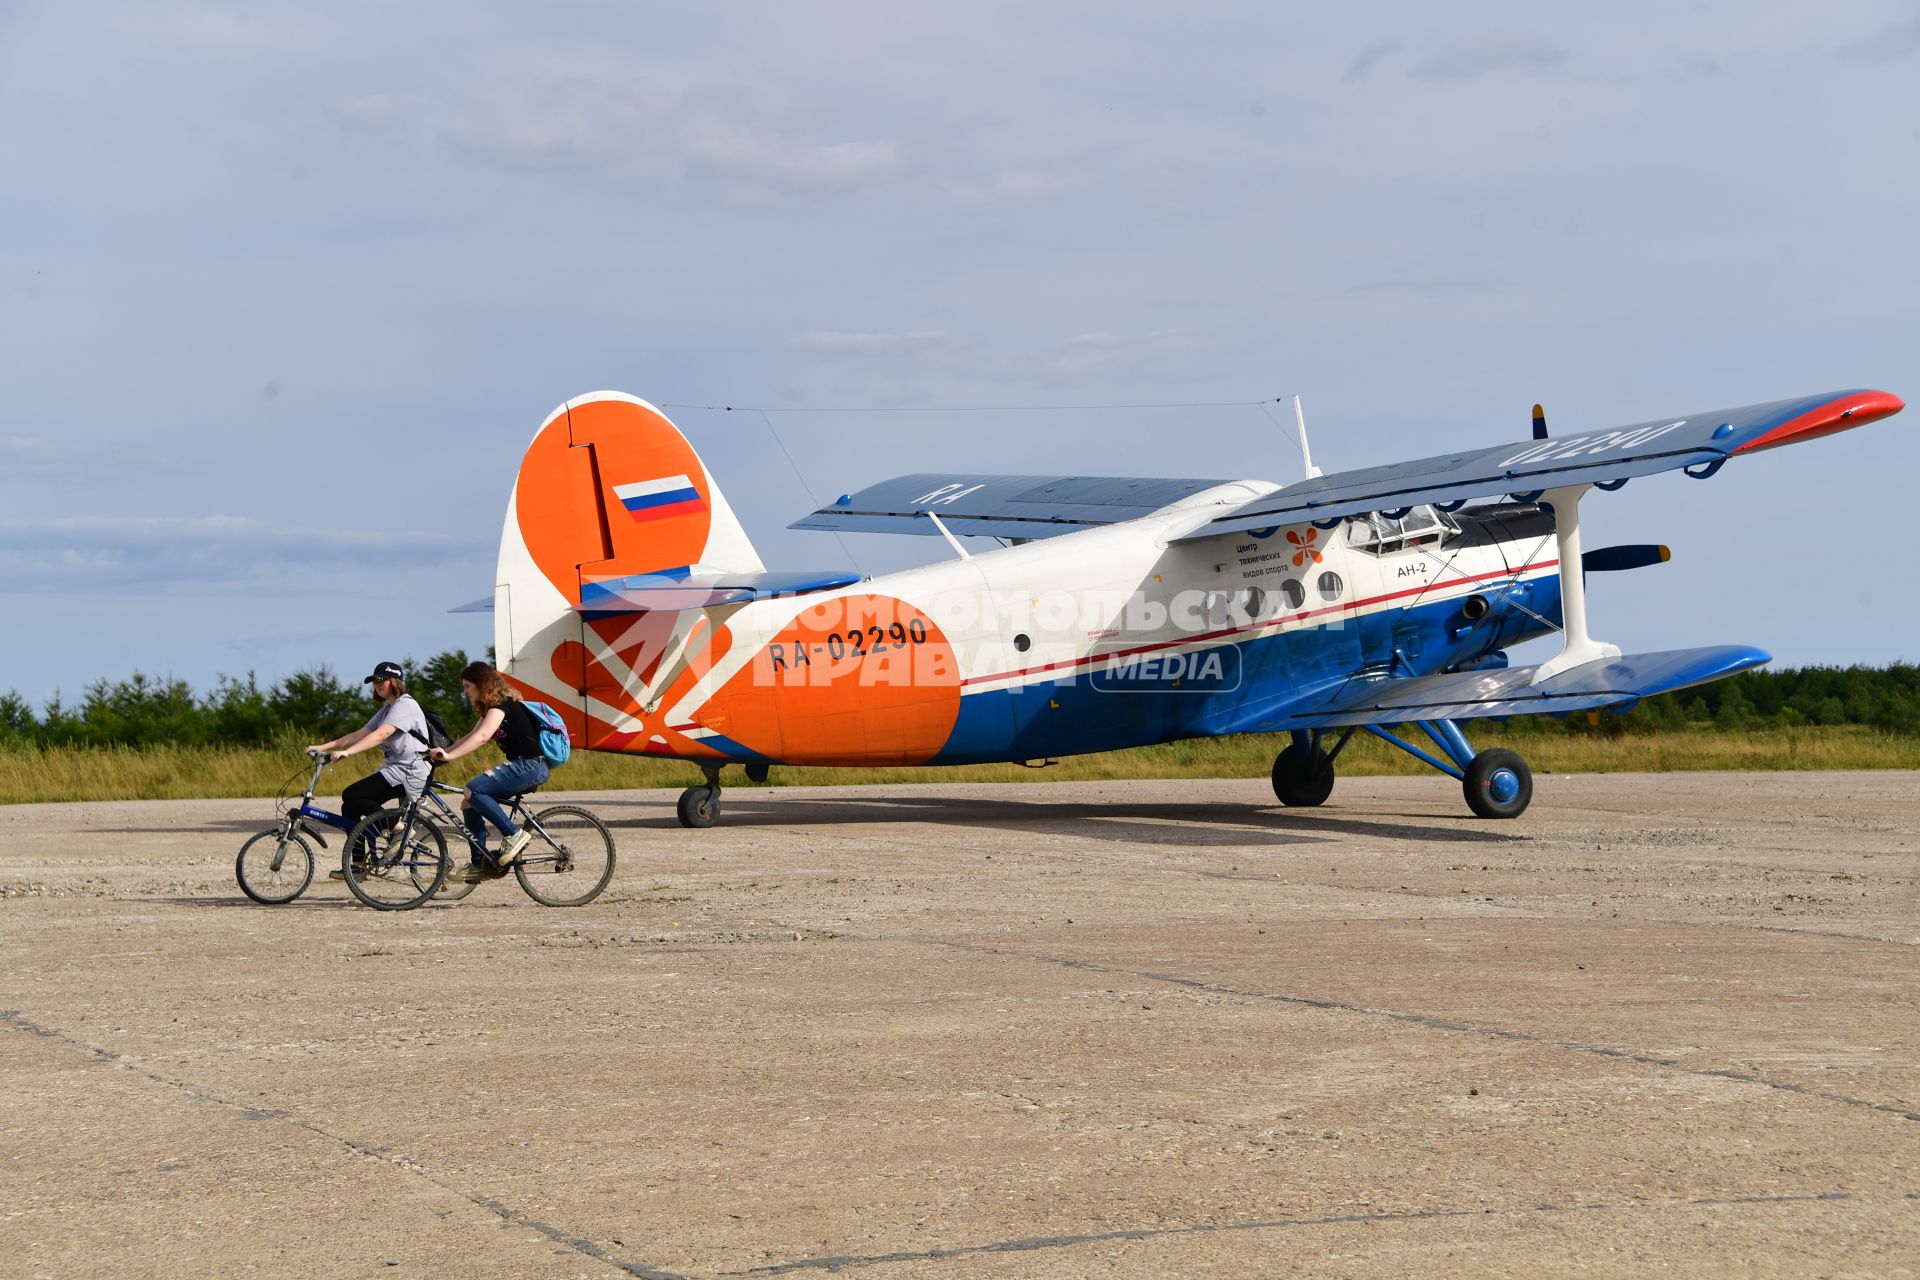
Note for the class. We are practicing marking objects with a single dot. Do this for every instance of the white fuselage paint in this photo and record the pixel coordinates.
(1082, 598)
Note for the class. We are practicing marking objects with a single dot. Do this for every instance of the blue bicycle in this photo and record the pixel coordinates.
(396, 859)
(276, 866)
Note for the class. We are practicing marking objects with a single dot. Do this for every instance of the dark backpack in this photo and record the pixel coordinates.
(436, 734)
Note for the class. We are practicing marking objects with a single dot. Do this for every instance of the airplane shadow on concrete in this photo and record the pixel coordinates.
(1168, 825)
(306, 902)
(238, 825)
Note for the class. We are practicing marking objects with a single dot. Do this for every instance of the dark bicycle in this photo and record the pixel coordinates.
(402, 859)
(276, 866)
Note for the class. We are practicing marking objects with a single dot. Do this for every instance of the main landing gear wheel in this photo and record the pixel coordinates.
(1498, 784)
(1302, 779)
(699, 806)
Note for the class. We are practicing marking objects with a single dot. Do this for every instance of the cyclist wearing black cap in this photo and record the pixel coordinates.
(399, 729)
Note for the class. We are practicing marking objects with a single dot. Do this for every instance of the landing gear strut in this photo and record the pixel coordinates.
(700, 806)
(1497, 783)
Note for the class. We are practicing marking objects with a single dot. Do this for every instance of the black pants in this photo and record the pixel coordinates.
(368, 794)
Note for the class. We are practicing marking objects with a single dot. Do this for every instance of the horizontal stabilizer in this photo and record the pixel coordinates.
(702, 590)
(1701, 441)
(1466, 695)
(1000, 506)
(482, 605)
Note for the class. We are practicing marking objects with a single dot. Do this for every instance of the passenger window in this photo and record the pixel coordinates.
(1293, 592)
(1331, 586)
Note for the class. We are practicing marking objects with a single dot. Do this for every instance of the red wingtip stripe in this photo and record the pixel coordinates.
(1837, 414)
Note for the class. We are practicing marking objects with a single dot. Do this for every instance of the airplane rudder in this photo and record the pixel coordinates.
(610, 487)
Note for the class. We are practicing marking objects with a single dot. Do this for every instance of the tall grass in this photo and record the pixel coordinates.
(35, 773)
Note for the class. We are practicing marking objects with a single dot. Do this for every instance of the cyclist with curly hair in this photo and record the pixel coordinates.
(506, 721)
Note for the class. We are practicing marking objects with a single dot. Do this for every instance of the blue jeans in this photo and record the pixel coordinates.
(485, 791)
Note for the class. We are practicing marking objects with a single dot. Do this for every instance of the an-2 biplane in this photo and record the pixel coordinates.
(1120, 612)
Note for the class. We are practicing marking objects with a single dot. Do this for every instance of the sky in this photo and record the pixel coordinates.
(286, 289)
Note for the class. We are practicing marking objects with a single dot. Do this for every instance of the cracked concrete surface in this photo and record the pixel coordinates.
(1661, 1023)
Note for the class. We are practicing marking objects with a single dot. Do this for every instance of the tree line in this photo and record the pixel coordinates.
(316, 704)
(1885, 698)
(142, 710)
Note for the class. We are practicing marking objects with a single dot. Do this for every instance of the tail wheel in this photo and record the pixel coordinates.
(1498, 784)
(699, 806)
(1302, 779)
(274, 868)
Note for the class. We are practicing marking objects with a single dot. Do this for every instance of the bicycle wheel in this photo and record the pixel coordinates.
(389, 874)
(272, 870)
(572, 864)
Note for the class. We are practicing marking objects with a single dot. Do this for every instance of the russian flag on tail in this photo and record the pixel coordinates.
(654, 499)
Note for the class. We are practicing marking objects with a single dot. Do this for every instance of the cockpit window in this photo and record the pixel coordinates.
(1381, 535)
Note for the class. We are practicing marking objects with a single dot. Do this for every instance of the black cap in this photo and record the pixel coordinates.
(384, 671)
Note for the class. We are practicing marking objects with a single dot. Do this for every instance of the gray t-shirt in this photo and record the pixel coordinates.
(406, 755)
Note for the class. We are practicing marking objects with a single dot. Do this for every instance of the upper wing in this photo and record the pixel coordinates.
(1006, 506)
(1665, 444)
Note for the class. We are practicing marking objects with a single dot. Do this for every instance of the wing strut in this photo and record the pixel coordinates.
(952, 541)
(1577, 647)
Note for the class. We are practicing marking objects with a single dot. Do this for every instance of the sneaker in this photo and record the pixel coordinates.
(511, 850)
(472, 873)
(338, 874)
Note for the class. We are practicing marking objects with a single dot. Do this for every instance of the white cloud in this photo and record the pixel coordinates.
(88, 553)
(1489, 55)
(1007, 186)
(374, 113)
(743, 143)
(1435, 286)
(35, 457)
(1082, 355)
(1369, 58)
(842, 343)
(1887, 45)
(642, 128)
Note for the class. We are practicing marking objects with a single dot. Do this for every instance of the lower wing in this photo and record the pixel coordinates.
(1465, 695)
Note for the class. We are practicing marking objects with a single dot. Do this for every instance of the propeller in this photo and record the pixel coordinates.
(1632, 556)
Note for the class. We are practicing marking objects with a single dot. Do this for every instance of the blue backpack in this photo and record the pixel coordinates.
(554, 743)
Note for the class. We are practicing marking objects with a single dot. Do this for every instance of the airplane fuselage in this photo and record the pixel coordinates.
(1106, 638)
